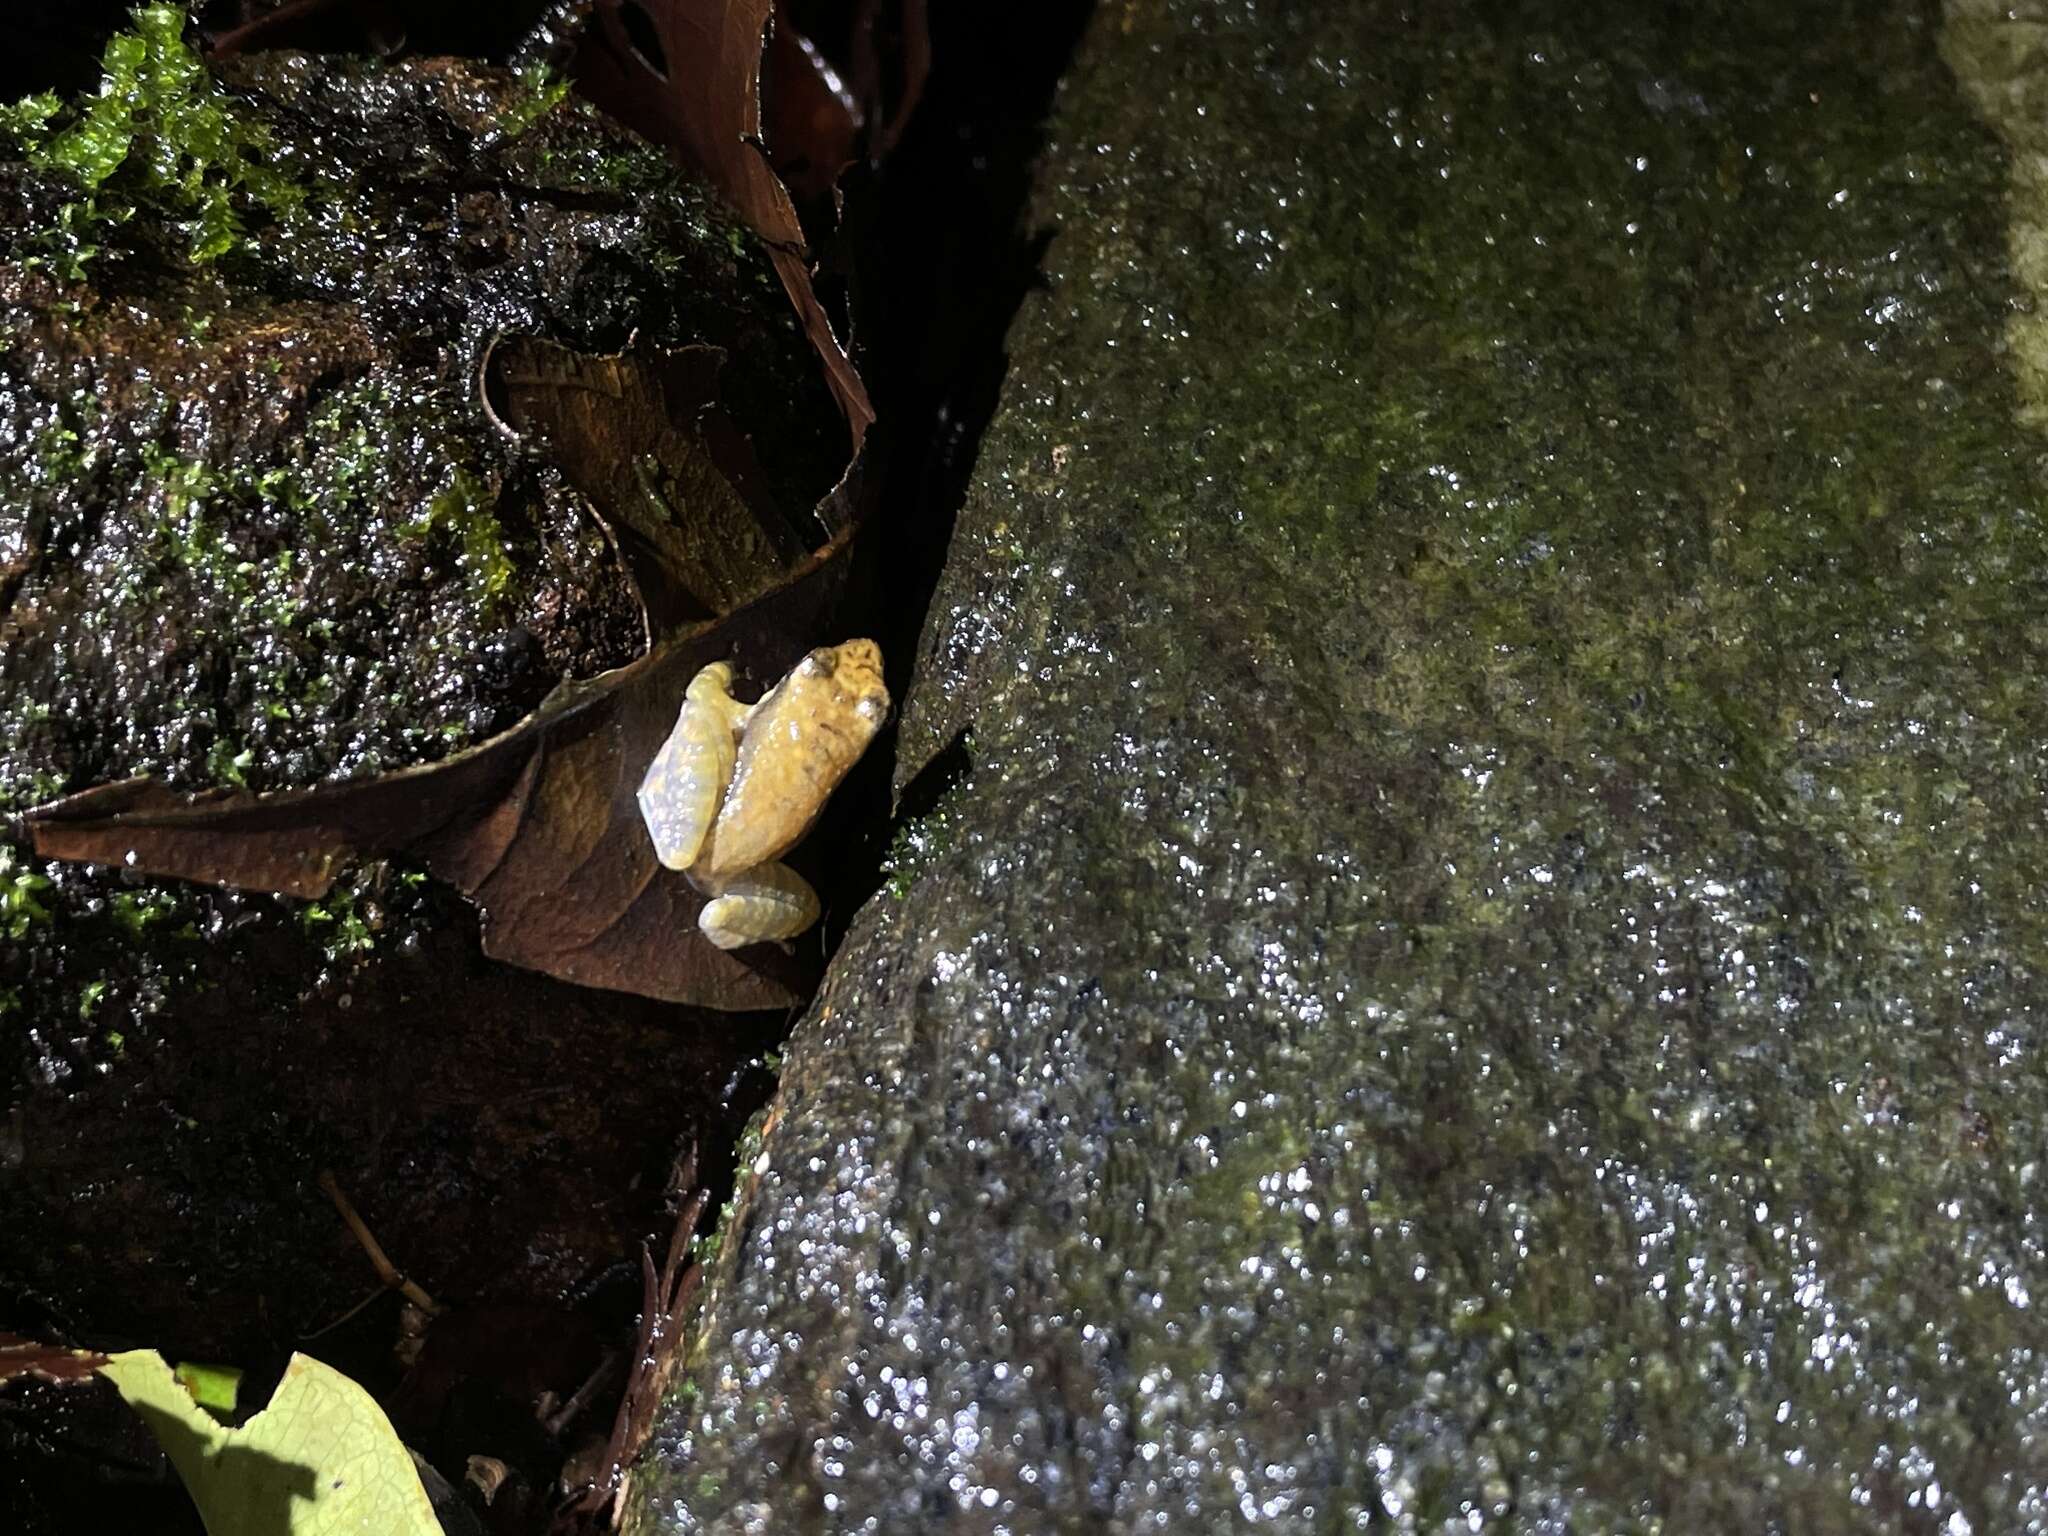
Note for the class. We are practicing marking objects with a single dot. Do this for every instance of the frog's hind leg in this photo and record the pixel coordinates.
(766, 903)
(685, 784)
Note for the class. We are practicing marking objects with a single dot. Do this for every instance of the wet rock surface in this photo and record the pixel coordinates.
(1480, 965)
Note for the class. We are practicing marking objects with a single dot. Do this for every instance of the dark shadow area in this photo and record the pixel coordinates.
(948, 767)
(57, 47)
(77, 1458)
(946, 253)
(952, 258)
(382, 27)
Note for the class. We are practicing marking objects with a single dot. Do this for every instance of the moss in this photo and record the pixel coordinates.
(229, 763)
(708, 1247)
(142, 913)
(1503, 614)
(919, 843)
(31, 788)
(541, 89)
(344, 923)
(1628, 493)
(269, 558)
(21, 890)
(462, 513)
(157, 134)
(628, 166)
(89, 999)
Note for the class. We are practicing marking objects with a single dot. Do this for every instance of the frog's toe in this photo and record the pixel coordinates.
(763, 905)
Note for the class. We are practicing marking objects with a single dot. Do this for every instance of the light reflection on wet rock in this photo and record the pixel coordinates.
(1486, 972)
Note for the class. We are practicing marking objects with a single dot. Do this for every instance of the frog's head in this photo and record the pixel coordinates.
(856, 669)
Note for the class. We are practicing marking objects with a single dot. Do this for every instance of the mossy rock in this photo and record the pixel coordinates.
(1485, 968)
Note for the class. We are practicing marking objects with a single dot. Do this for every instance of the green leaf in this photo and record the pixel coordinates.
(27, 121)
(159, 135)
(213, 1387)
(320, 1460)
(93, 148)
(19, 888)
(215, 227)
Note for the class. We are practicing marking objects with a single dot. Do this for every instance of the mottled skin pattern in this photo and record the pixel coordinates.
(735, 786)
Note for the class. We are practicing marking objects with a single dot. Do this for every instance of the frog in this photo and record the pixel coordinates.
(735, 786)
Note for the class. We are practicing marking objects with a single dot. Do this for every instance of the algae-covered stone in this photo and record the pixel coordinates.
(1487, 970)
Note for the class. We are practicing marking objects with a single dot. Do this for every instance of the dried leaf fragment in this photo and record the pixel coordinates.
(628, 430)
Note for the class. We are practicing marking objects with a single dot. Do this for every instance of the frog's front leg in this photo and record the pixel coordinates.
(766, 903)
(685, 784)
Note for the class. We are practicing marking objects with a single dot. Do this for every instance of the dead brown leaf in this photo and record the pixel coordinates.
(658, 1356)
(53, 1363)
(686, 74)
(813, 122)
(538, 825)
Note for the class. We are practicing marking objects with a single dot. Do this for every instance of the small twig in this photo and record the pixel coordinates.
(665, 1300)
(394, 1279)
(502, 427)
(329, 1327)
(598, 1379)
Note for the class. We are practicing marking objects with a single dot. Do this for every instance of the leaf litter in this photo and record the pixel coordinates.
(538, 826)
(687, 75)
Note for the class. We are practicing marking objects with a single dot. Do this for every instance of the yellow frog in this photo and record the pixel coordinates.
(736, 786)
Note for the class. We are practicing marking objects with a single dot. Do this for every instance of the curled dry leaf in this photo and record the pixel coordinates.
(538, 826)
(686, 74)
(682, 73)
(641, 436)
(814, 124)
(659, 1353)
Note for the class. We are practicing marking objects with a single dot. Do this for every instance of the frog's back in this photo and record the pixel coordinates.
(800, 741)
